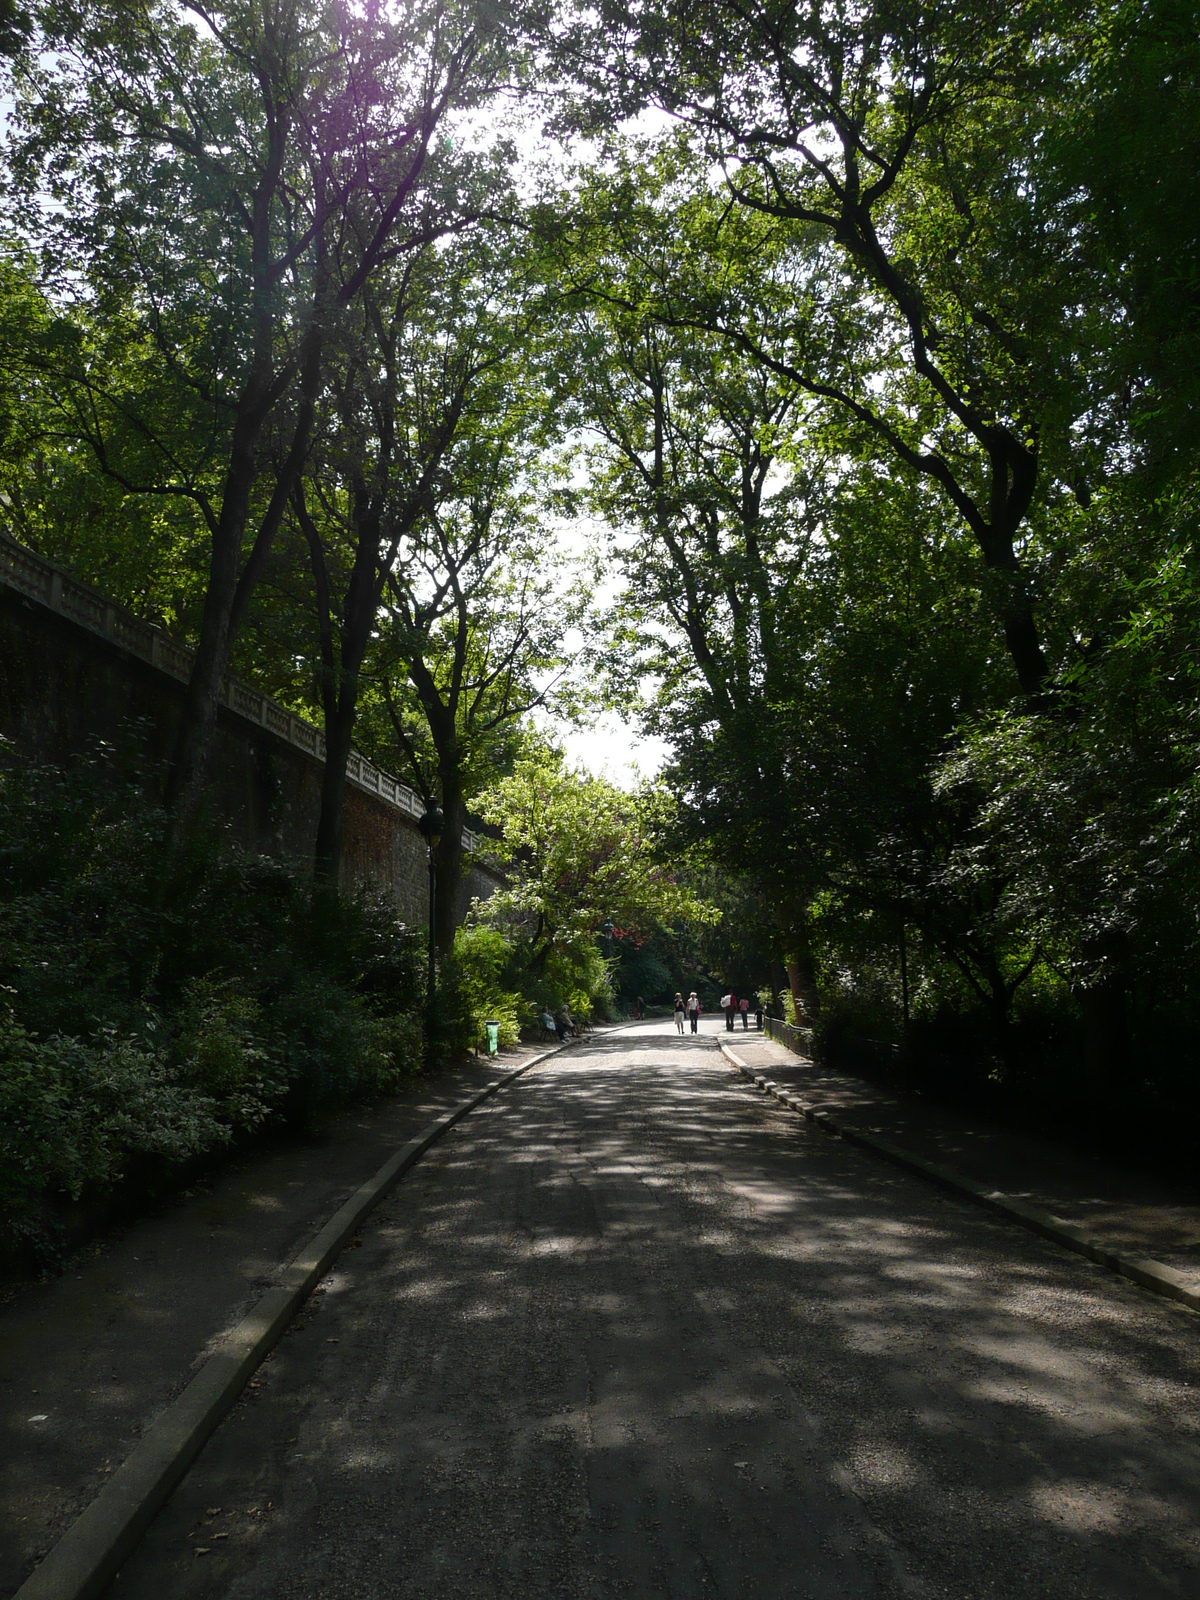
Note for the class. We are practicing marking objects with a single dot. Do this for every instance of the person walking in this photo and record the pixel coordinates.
(728, 1002)
(745, 1015)
(679, 1011)
(693, 1010)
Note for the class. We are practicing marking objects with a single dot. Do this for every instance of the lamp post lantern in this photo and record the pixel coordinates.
(431, 825)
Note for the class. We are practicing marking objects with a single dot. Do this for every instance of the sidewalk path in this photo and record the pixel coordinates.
(1131, 1211)
(630, 1330)
(89, 1359)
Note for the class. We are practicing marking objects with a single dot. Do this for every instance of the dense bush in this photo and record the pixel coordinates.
(493, 979)
(586, 876)
(482, 991)
(157, 1003)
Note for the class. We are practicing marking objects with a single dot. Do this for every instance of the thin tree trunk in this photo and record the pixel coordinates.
(339, 728)
(199, 718)
(1104, 1004)
(339, 733)
(449, 862)
(779, 979)
(228, 593)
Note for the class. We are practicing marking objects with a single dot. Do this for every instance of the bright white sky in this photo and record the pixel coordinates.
(612, 749)
(611, 746)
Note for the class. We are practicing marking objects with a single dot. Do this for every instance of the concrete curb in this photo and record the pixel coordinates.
(1153, 1275)
(86, 1559)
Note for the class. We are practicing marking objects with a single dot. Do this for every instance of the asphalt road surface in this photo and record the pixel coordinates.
(633, 1329)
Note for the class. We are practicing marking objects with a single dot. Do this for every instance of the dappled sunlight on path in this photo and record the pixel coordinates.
(1134, 1212)
(631, 1329)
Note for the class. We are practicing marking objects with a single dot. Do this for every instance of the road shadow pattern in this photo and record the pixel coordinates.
(632, 1329)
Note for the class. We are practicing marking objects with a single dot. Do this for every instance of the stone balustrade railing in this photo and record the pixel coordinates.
(40, 580)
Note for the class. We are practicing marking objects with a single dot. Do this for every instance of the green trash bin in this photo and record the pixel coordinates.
(493, 1037)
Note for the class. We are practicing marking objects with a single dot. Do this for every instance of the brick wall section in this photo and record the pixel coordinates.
(63, 686)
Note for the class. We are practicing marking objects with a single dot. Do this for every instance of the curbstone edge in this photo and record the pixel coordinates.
(88, 1556)
(1148, 1273)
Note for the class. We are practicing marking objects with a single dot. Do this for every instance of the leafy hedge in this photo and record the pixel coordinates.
(156, 1003)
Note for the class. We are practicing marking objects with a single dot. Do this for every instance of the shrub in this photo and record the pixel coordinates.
(161, 1002)
(493, 979)
(73, 1113)
(584, 975)
(479, 987)
(221, 1053)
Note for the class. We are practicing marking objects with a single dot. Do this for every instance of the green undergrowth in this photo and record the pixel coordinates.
(157, 1004)
(492, 978)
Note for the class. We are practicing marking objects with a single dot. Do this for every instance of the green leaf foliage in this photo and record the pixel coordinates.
(158, 1005)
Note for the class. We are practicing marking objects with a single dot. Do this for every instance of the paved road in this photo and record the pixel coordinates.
(89, 1359)
(635, 1330)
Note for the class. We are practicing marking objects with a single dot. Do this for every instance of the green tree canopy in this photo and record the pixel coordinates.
(579, 854)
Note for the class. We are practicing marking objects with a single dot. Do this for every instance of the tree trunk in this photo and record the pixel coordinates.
(779, 980)
(339, 732)
(1021, 631)
(340, 686)
(228, 594)
(1002, 1033)
(194, 738)
(449, 862)
(802, 975)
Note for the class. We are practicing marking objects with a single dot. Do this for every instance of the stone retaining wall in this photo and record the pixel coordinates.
(75, 669)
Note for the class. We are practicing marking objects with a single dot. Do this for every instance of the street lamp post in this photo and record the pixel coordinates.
(431, 825)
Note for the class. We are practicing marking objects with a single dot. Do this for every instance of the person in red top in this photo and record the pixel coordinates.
(745, 1010)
